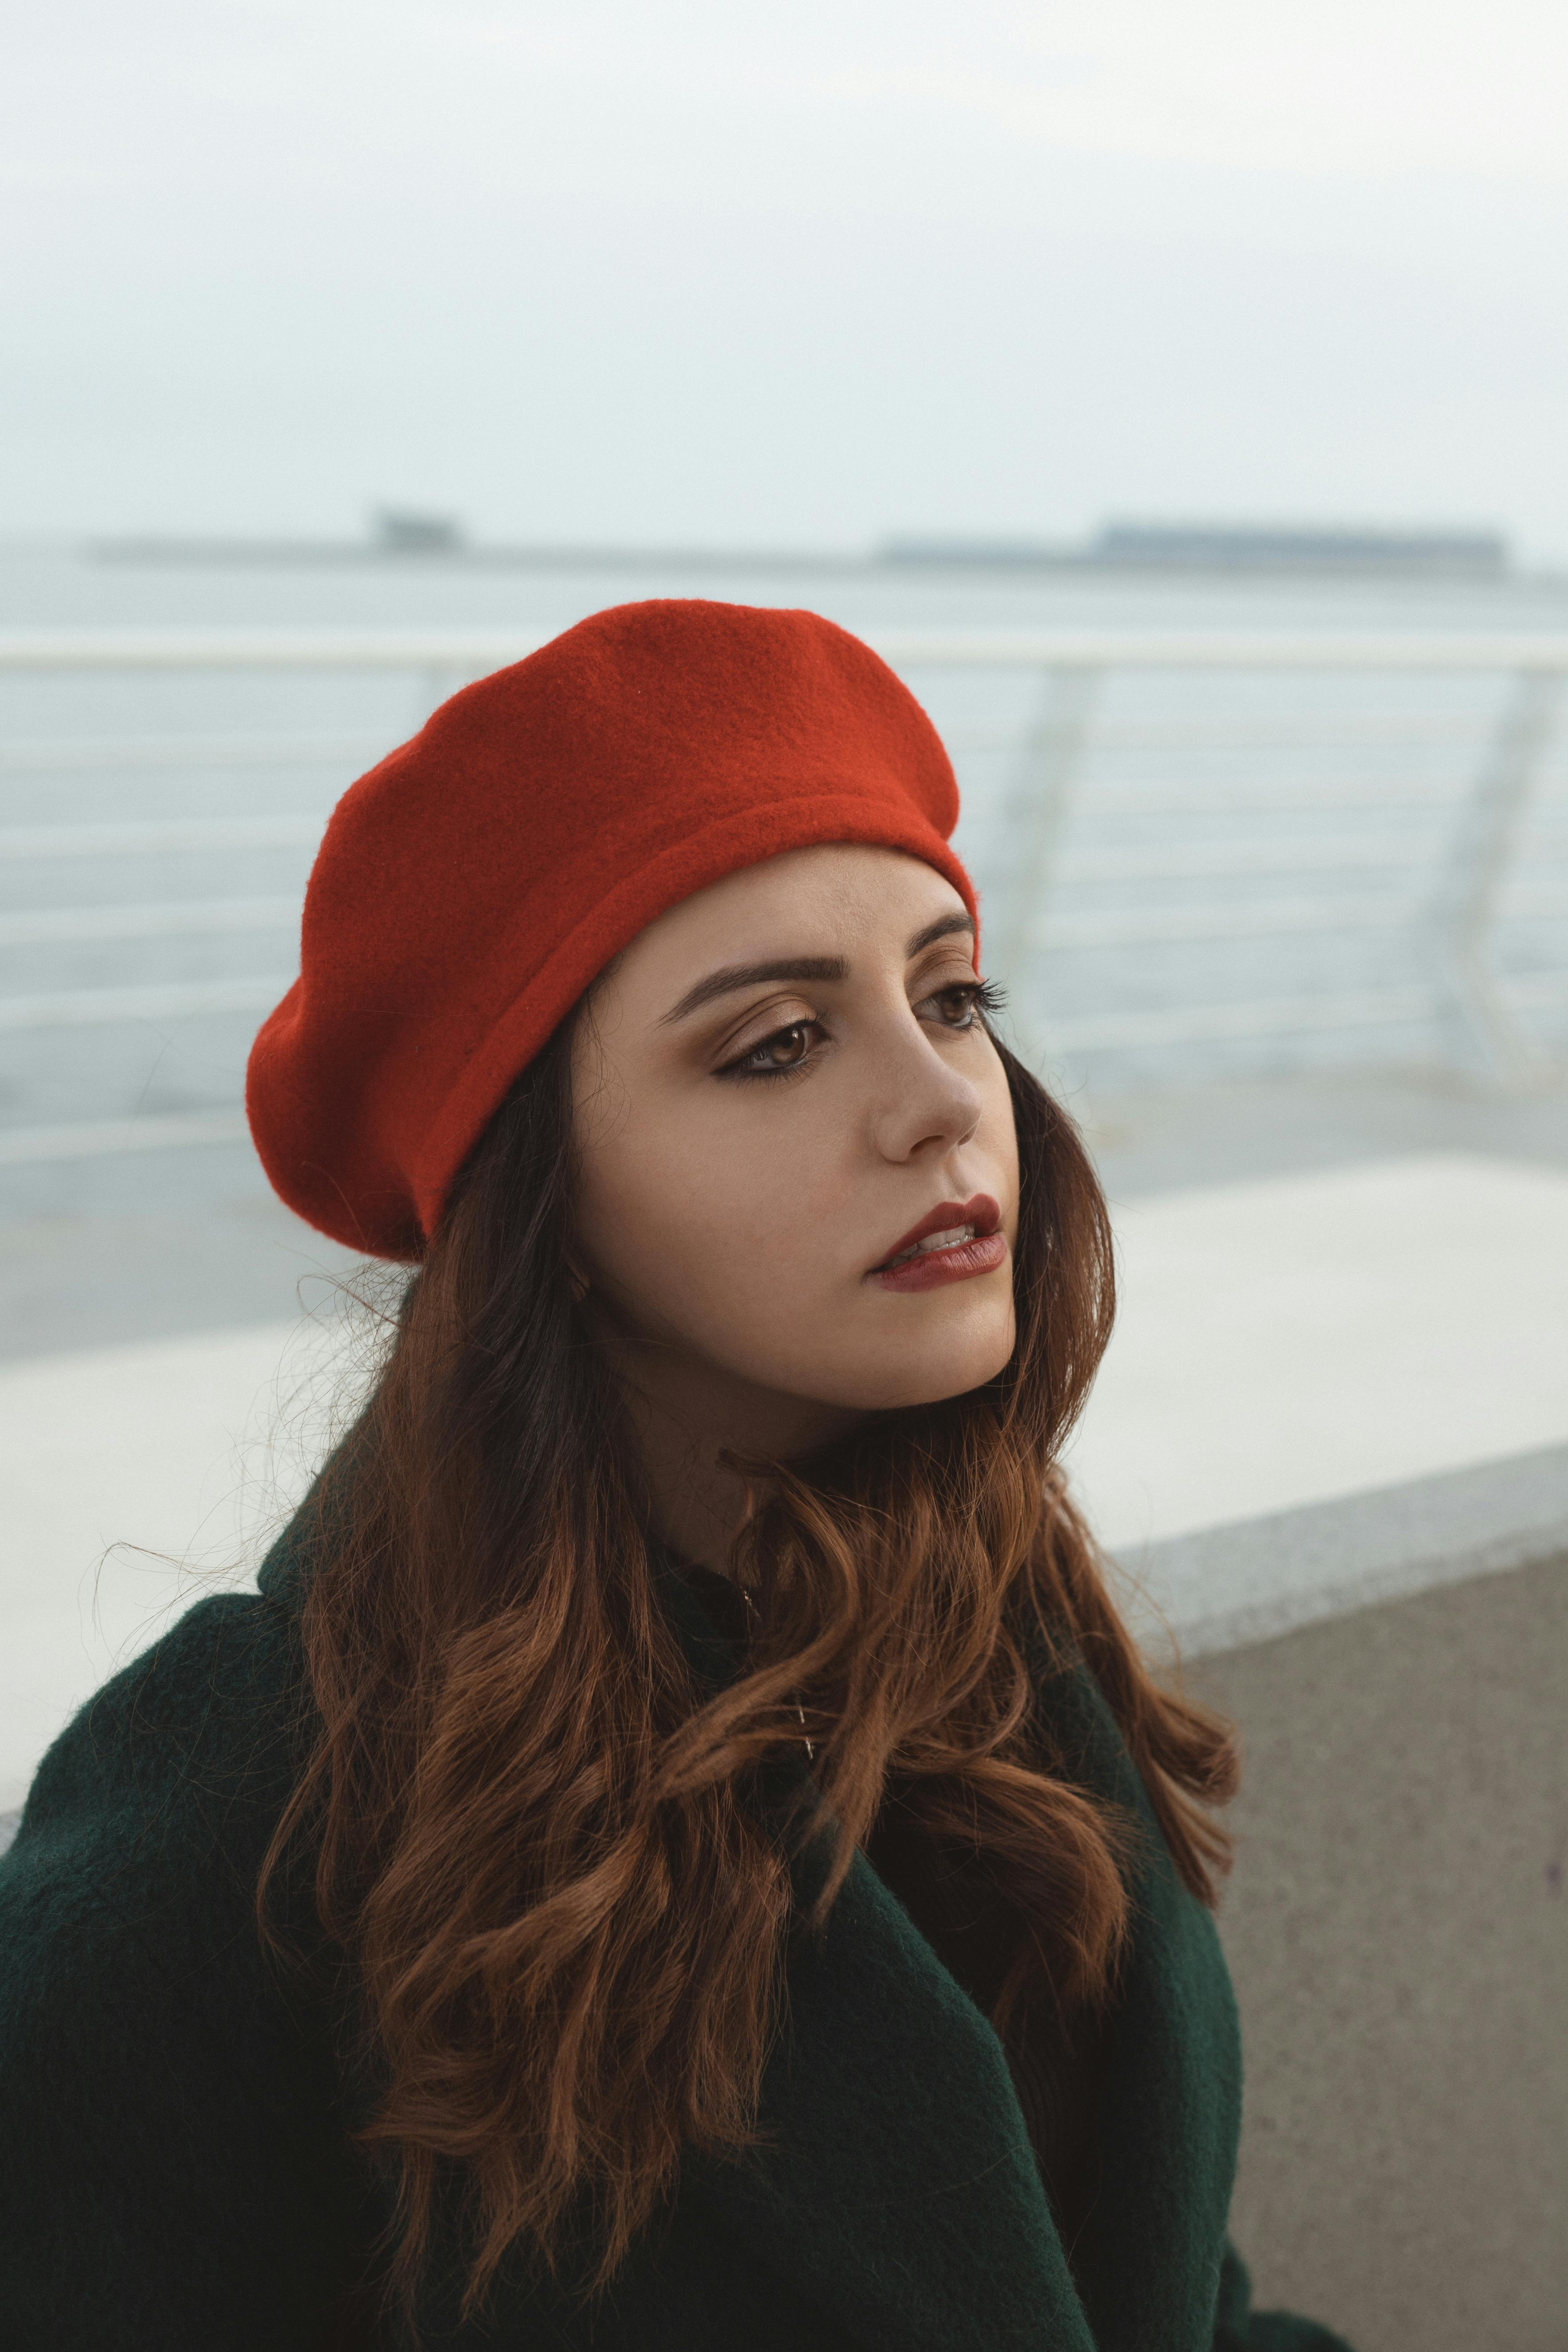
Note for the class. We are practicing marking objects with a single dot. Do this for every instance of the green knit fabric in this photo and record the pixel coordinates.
(177, 2170)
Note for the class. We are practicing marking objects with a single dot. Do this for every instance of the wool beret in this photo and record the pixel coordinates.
(470, 888)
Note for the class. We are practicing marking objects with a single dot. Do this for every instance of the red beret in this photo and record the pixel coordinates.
(471, 886)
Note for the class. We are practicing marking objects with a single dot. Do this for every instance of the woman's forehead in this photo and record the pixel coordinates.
(824, 901)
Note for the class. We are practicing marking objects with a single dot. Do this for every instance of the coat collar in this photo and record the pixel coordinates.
(894, 2187)
(896, 2184)
(1169, 2115)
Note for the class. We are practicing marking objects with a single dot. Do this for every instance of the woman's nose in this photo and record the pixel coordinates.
(917, 1101)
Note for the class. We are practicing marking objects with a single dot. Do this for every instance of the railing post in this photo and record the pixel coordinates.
(1049, 758)
(1464, 905)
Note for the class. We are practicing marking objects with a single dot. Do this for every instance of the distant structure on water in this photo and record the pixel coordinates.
(402, 534)
(398, 532)
(1228, 547)
(394, 534)
(1273, 547)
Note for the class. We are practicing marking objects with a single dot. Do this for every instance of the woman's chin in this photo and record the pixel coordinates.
(886, 1380)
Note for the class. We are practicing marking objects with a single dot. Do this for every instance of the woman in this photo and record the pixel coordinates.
(681, 1852)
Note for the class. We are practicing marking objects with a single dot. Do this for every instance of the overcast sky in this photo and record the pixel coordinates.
(804, 275)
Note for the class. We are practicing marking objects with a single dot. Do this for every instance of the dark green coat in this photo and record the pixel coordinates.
(175, 2166)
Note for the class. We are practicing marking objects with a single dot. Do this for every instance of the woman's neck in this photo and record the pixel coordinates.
(688, 1415)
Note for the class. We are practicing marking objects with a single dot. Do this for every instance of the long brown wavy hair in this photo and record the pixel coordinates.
(537, 1826)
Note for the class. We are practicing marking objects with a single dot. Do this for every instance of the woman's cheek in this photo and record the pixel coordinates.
(674, 1229)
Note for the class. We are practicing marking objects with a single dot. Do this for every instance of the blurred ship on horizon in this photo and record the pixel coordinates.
(1289, 550)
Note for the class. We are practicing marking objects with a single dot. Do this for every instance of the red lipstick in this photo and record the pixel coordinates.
(956, 1240)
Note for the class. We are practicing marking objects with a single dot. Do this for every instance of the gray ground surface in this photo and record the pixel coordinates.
(1238, 1132)
(203, 1245)
(84, 1281)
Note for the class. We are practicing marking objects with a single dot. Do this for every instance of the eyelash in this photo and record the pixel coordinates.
(983, 1000)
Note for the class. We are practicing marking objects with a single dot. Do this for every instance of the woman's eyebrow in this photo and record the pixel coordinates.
(732, 976)
(943, 929)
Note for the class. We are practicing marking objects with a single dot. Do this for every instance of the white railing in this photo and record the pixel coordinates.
(476, 651)
(1148, 794)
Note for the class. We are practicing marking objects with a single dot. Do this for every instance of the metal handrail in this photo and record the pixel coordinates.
(1292, 854)
(1448, 833)
(476, 649)
(76, 1008)
(54, 754)
(1260, 919)
(146, 918)
(218, 648)
(103, 1138)
(1257, 1017)
(158, 836)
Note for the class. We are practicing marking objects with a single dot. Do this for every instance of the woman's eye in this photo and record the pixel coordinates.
(958, 1007)
(785, 1050)
(965, 1005)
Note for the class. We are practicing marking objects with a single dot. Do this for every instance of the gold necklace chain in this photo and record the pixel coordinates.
(753, 1619)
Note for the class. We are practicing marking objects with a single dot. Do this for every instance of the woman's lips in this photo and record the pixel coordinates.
(982, 1254)
(957, 1239)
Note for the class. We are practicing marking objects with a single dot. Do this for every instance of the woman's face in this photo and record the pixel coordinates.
(798, 1171)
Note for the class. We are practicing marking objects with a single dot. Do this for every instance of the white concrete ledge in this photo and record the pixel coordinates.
(1225, 1588)
(1221, 1588)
